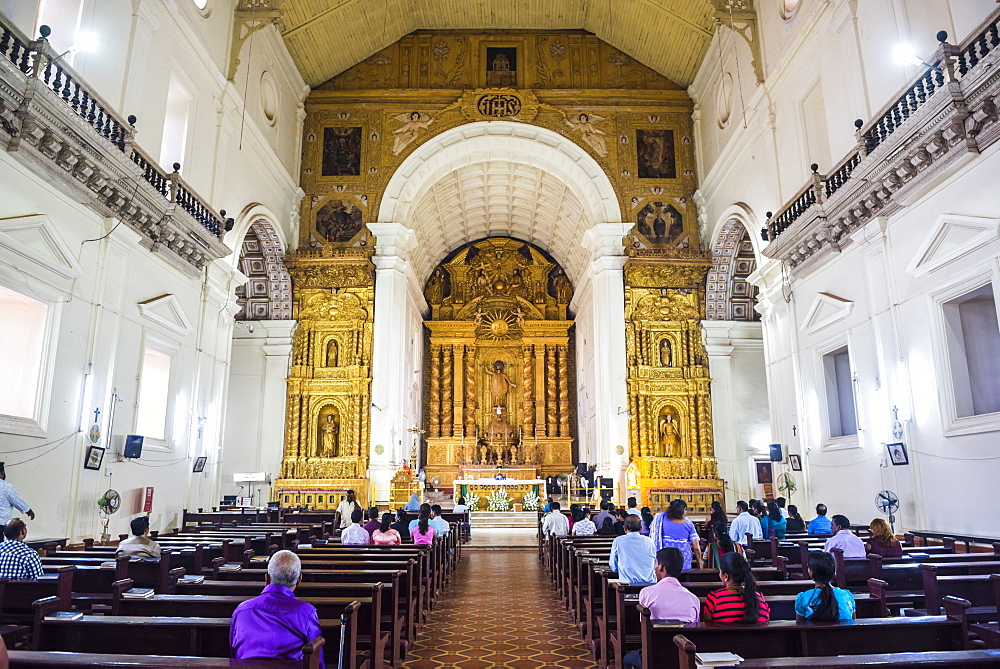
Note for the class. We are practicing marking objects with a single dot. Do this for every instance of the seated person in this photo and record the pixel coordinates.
(421, 529)
(773, 521)
(18, 562)
(460, 506)
(441, 526)
(402, 524)
(354, 534)
(585, 526)
(845, 540)
(739, 601)
(620, 516)
(633, 555)
(820, 524)
(883, 542)
(373, 520)
(824, 603)
(139, 545)
(555, 522)
(384, 535)
(275, 624)
(668, 599)
(413, 504)
(794, 523)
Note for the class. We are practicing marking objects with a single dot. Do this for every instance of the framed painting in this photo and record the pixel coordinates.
(795, 462)
(655, 154)
(95, 457)
(199, 464)
(342, 151)
(897, 454)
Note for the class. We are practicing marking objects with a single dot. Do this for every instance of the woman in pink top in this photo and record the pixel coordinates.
(423, 533)
(385, 535)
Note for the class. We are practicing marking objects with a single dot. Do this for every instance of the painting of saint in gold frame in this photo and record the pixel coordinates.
(655, 154)
(341, 151)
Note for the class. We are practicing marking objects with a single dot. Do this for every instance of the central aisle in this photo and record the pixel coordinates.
(500, 611)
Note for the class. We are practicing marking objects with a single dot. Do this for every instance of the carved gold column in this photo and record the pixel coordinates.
(551, 401)
(446, 395)
(528, 394)
(456, 375)
(435, 408)
(563, 362)
(470, 394)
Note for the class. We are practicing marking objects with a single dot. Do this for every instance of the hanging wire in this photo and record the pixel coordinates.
(36, 447)
(246, 86)
(56, 445)
(739, 78)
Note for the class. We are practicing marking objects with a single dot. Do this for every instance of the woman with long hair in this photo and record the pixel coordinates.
(384, 535)
(773, 521)
(402, 524)
(738, 601)
(883, 542)
(721, 544)
(717, 515)
(423, 532)
(647, 520)
(671, 528)
(794, 522)
(607, 528)
(824, 603)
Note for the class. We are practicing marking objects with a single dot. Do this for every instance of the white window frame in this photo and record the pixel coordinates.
(37, 424)
(166, 347)
(951, 424)
(829, 442)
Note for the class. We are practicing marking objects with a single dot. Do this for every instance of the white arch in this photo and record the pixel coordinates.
(499, 142)
(745, 215)
(241, 224)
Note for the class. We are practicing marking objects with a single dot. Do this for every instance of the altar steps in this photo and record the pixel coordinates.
(504, 519)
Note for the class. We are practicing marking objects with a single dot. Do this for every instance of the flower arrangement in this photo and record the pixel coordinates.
(498, 500)
(472, 501)
(531, 502)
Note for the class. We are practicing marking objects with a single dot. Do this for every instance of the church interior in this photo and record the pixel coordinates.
(257, 253)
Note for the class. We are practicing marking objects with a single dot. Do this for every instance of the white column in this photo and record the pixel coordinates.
(607, 311)
(740, 414)
(396, 352)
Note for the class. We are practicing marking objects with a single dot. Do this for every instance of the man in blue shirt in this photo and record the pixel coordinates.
(633, 555)
(820, 524)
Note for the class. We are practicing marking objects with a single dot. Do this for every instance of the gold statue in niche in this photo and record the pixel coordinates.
(666, 354)
(331, 353)
(670, 434)
(329, 434)
(500, 384)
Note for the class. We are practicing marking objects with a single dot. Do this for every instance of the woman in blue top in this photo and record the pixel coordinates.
(671, 528)
(773, 520)
(824, 603)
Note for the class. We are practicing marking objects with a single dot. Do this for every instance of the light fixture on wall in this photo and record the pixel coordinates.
(375, 406)
(905, 54)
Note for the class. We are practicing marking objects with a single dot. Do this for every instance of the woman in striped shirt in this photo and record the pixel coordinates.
(739, 601)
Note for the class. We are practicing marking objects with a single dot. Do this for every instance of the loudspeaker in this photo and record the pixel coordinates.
(133, 446)
(776, 452)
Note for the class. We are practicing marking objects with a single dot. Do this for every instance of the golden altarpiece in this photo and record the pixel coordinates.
(360, 126)
(500, 381)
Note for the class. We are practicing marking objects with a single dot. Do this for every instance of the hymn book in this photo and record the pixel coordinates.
(138, 593)
(725, 659)
(64, 615)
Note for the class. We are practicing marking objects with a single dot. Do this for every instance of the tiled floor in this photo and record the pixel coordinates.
(499, 611)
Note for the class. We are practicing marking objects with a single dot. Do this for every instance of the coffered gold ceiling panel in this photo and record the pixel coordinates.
(325, 37)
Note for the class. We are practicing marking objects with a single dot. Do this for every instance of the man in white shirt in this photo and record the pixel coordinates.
(440, 525)
(745, 524)
(781, 506)
(555, 523)
(354, 534)
(346, 508)
(632, 507)
(9, 497)
(844, 539)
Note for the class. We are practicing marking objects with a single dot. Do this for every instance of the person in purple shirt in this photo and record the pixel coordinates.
(275, 625)
(373, 521)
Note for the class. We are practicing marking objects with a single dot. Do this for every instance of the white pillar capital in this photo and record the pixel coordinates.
(393, 239)
(605, 239)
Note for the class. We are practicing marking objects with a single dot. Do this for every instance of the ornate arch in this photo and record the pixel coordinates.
(267, 294)
(730, 296)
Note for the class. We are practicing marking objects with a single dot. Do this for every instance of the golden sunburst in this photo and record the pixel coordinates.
(498, 323)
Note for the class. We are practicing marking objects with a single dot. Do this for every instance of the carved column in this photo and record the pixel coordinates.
(435, 410)
(527, 395)
(563, 352)
(459, 392)
(643, 431)
(539, 391)
(551, 401)
(446, 395)
(470, 394)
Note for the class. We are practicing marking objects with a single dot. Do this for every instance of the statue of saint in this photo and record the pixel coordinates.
(500, 384)
(561, 288)
(670, 436)
(666, 354)
(435, 287)
(331, 353)
(330, 437)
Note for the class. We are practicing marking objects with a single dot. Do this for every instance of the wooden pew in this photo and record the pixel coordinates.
(19, 596)
(189, 636)
(791, 639)
(50, 659)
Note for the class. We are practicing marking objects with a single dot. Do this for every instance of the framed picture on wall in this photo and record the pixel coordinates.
(95, 456)
(897, 453)
(199, 464)
(795, 462)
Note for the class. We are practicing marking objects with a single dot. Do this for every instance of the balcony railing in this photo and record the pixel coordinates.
(42, 90)
(940, 84)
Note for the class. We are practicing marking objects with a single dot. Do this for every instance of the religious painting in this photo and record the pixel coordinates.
(585, 124)
(412, 124)
(342, 151)
(655, 152)
(336, 222)
(95, 456)
(501, 66)
(659, 222)
(795, 462)
(199, 464)
(765, 475)
(897, 454)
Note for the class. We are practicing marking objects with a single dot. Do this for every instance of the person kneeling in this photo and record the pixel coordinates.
(275, 625)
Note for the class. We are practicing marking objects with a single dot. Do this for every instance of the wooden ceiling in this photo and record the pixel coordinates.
(325, 37)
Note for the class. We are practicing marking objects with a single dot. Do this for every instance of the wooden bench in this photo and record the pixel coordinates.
(35, 658)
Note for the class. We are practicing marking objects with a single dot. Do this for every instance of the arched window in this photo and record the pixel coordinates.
(267, 295)
(729, 296)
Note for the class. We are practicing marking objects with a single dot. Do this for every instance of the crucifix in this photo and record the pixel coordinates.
(97, 412)
(794, 431)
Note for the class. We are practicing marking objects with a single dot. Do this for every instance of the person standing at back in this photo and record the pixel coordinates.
(346, 507)
(275, 625)
(820, 524)
(672, 528)
(744, 524)
(10, 497)
(633, 555)
(844, 539)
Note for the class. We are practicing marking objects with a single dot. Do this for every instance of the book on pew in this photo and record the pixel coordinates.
(717, 659)
(231, 566)
(320, 542)
(138, 593)
(259, 558)
(48, 577)
(109, 564)
(191, 580)
(301, 546)
(64, 615)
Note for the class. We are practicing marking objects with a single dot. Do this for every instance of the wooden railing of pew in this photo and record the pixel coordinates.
(608, 618)
(402, 584)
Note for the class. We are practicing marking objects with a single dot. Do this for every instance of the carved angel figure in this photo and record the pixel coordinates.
(413, 123)
(592, 135)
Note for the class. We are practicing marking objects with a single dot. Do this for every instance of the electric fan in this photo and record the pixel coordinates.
(786, 484)
(887, 502)
(108, 504)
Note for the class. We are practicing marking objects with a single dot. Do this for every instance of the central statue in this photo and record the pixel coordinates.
(500, 384)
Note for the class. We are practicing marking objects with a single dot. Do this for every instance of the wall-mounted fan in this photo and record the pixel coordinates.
(108, 504)
(787, 484)
(887, 502)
